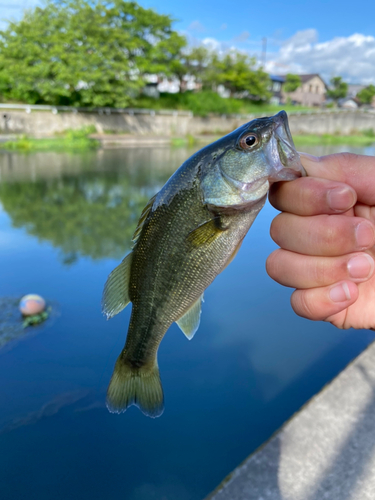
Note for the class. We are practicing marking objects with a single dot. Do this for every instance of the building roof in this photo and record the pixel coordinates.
(354, 88)
(277, 78)
(308, 77)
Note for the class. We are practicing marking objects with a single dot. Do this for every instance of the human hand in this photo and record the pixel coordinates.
(326, 233)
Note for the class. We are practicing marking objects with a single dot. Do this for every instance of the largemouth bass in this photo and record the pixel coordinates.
(187, 234)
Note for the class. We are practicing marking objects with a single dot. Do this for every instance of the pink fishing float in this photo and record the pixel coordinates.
(32, 304)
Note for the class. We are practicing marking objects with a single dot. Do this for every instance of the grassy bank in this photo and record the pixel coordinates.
(71, 140)
(207, 102)
(363, 139)
(360, 139)
(79, 140)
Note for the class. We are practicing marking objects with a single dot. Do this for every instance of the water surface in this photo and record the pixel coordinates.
(65, 223)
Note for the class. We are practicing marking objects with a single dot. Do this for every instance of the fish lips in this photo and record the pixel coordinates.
(281, 153)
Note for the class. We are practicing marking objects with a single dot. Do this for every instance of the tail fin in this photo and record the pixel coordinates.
(135, 386)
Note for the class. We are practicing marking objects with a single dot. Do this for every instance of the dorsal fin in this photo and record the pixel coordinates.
(142, 219)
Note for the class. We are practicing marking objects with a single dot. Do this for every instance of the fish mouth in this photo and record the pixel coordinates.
(281, 152)
(243, 186)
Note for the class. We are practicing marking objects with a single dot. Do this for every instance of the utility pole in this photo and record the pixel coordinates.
(264, 51)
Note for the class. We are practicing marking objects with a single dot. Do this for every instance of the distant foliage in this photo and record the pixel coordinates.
(292, 82)
(85, 52)
(369, 132)
(207, 101)
(367, 94)
(237, 72)
(338, 89)
(95, 53)
(71, 140)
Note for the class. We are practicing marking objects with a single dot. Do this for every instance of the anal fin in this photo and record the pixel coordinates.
(189, 322)
(116, 289)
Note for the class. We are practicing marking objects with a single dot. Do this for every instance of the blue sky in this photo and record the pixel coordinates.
(326, 37)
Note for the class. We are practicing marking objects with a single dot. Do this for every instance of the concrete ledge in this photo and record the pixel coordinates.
(175, 125)
(326, 451)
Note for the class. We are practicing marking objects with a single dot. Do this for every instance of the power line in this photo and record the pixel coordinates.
(264, 51)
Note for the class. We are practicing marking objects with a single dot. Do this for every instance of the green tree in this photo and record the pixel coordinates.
(338, 89)
(168, 58)
(237, 72)
(192, 61)
(186, 61)
(367, 94)
(85, 52)
(292, 82)
(197, 59)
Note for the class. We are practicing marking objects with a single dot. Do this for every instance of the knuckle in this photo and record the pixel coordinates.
(301, 304)
(306, 304)
(275, 228)
(321, 273)
(332, 231)
(272, 263)
(346, 159)
(329, 270)
(308, 192)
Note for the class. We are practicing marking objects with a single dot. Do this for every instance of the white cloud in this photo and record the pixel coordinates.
(351, 57)
(196, 26)
(213, 44)
(242, 37)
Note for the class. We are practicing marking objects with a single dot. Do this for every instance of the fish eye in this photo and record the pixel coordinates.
(248, 141)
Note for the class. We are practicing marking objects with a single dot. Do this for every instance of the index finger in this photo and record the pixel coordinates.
(357, 171)
(312, 196)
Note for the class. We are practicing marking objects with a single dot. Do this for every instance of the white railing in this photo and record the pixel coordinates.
(101, 111)
(28, 108)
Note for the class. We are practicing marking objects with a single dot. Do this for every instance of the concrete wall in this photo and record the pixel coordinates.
(345, 122)
(41, 123)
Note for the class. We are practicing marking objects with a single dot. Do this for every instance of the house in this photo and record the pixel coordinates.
(349, 103)
(275, 88)
(155, 84)
(311, 92)
(353, 89)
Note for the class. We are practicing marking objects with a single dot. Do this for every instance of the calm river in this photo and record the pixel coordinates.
(66, 221)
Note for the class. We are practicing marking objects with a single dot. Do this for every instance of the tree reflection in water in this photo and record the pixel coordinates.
(84, 205)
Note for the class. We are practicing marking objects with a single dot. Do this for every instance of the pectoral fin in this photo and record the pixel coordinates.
(207, 232)
(189, 322)
(116, 290)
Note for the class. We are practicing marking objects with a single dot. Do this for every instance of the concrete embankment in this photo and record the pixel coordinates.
(42, 123)
(326, 451)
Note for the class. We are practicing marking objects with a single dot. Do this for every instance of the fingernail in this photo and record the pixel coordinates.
(361, 266)
(340, 198)
(308, 156)
(340, 293)
(364, 233)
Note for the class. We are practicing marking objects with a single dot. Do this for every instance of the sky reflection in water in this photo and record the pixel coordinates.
(65, 222)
